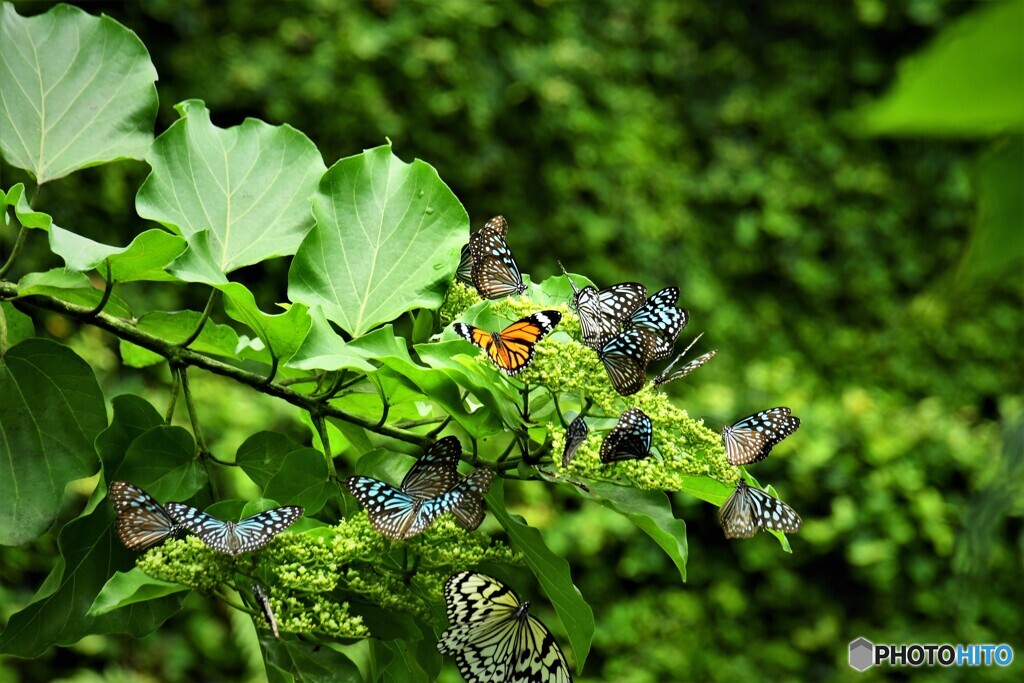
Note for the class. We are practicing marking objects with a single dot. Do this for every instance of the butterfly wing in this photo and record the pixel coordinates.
(538, 657)
(469, 509)
(661, 315)
(751, 439)
(141, 521)
(254, 532)
(625, 359)
(668, 375)
(394, 513)
(464, 273)
(435, 471)
(735, 514)
(575, 435)
(263, 600)
(601, 313)
(512, 348)
(771, 513)
(494, 271)
(630, 439)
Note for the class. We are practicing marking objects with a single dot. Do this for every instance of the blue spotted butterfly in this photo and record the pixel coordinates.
(399, 515)
(661, 315)
(436, 472)
(626, 356)
(601, 312)
(464, 273)
(234, 538)
(749, 509)
(494, 271)
(630, 439)
(141, 521)
(751, 439)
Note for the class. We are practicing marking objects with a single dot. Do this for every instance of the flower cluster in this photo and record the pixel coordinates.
(459, 298)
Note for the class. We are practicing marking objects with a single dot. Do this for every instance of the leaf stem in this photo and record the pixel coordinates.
(108, 288)
(325, 440)
(175, 386)
(202, 320)
(193, 415)
(15, 250)
(440, 428)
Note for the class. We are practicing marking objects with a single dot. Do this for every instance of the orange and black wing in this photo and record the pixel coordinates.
(512, 348)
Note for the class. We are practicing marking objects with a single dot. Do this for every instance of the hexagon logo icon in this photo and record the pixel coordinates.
(862, 654)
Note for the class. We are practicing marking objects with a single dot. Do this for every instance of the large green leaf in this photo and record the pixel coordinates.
(176, 327)
(77, 91)
(553, 573)
(52, 411)
(291, 661)
(162, 461)
(302, 480)
(387, 237)
(133, 416)
(281, 333)
(70, 286)
(969, 82)
(144, 259)
(262, 454)
(323, 349)
(652, 512)
(248, 185)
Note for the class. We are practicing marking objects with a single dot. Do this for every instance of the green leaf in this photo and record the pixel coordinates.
(262, 454)
(457, 360)
(386, 241)
(144, 259)
(128, 588)
(175, 327)
(73, 287)
(968, 82)
(553, 573)
(15, 326)
(78, 91)
(26, 216)
(52, 411)
(249, 185)
(303, 480)
(404, 663)
(198, 263)
(133, 416)
(652, 512)
(281, 333)
(996, 248)
(323, 349)
(57, 615)
(289, 661)
(162, 460)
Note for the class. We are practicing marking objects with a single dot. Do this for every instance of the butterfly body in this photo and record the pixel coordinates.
(141, 521)
(630, 439)
(601, 312)
(493, 637)
(626, 356)
(235, 538)
(512, 348)
(749, 509)
(751, 439)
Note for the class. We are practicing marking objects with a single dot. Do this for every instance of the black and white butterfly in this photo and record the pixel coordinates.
(494, 638)
(749, 509)
(494, 271)
(751, 439)
(661, 315)
(626, 356)
(464, 273)
(669, 375)
(141, 521)
(234, 538)
(575, 435)
(263, 600)
(601, 312)
(630, 439)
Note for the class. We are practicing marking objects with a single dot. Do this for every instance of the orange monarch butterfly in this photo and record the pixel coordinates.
(512, 348)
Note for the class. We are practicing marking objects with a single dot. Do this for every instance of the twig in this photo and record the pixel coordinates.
(202, 320)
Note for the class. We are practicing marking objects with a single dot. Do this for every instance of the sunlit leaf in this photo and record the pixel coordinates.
(144, 259)
(78, 91)
(282, 333)
(386, 239)
(128, 588)
(15, 197)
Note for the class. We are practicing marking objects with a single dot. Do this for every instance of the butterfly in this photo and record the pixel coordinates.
(751, 439)
(234, 538)
(749, 509)
(141, 521)
(512, 348)
(494, 271)
(263, 600)
(601, 312)
(575, 435)
(667, 375)
(630, 439)
(661, 314)
(493, 637)
(626, 356)
(464, 273)
(399, 515)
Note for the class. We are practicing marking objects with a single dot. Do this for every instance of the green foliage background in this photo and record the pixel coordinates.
(705, 145)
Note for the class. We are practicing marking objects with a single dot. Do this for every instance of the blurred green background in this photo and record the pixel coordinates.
(836, 189)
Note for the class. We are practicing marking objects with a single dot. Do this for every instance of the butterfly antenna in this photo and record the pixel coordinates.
(575, 289)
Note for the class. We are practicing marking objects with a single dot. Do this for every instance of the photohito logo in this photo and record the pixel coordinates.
(864, 654)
